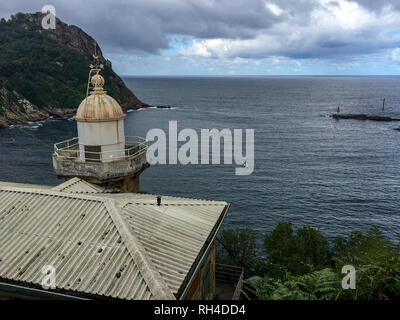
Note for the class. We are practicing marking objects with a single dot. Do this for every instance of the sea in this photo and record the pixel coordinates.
(310, 169)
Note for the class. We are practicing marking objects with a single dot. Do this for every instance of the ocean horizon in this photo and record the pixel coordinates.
(265, 76)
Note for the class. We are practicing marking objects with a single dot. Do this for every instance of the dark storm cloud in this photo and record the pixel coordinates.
(145, 25)
(378, 5)
(249, 28)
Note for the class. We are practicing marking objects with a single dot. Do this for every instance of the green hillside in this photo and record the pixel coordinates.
(49, 68)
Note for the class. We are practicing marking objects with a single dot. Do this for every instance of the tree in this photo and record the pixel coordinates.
(298, 253)
(377, 264)
(301, 265)
(313, 248)
(280, 244)
(239, 247)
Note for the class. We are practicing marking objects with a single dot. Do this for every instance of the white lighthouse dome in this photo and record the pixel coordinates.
(99, 106)
(100, 121)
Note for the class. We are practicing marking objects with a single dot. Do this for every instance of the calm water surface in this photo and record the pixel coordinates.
(336, 175)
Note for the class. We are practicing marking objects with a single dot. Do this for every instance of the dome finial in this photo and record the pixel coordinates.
(97, 81)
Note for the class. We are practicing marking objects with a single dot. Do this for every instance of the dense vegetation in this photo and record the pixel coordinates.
(45, 71)
(30, 64)
(302, 265)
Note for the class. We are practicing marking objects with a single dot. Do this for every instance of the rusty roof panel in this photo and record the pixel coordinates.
(91, 238)
(75, 235)
(173, 235)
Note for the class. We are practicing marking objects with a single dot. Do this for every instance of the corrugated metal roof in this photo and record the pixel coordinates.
(172, 234)
(90, 239)
(76, 185)
(78, 235)
(152, 198)
(23, 185)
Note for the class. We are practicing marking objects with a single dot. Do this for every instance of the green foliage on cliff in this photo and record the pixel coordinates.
(301, 252)
(240, 247)
(377, 261)
(302, 265)
(44, 71)
(318, 285)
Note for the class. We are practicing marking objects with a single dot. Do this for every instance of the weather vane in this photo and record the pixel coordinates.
(95, 68)
(97, 65)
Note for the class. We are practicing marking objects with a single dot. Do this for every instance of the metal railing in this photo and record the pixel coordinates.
(69, 150)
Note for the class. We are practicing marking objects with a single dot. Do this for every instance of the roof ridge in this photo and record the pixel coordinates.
(187, 203)
(65, 184)
(93, 186)
(52, 192)
(149, 272)
(168, 196)
(75, 180)
(178, 200)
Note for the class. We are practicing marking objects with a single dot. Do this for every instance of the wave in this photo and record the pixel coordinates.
(171, 108)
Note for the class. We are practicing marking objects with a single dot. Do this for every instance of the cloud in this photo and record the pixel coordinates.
(199, 49)
(146, 25)
(334, 28)
(378, 5)
(229, 32)
(274, 8)
(396, 55)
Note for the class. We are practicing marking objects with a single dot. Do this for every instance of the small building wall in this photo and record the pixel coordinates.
(107, 134)
(204, 286)
(101, 132)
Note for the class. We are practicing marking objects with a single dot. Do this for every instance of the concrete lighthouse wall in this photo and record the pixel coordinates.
(107, 137)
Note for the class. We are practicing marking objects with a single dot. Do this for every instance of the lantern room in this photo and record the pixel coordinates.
(100, 123)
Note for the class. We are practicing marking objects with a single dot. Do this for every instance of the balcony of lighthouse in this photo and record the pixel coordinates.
(100, 164)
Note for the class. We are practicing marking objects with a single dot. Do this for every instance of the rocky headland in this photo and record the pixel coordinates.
(43, 73)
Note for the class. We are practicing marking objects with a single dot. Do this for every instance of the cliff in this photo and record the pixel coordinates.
(44, 72)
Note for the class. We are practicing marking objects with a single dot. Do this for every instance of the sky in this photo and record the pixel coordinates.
(236, 37)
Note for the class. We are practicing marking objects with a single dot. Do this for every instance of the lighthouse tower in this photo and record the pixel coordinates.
(100, 125)
(101, 153)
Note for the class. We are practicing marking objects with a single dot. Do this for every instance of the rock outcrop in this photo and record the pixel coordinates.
(15, 109)
(44, 72)
(362, 117)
